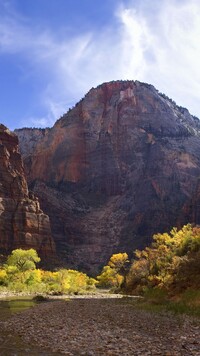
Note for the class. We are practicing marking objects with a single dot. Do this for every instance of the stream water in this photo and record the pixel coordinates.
(12, 345)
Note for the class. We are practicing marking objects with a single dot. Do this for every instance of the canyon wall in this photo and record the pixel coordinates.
(123, 164)
(22, 223)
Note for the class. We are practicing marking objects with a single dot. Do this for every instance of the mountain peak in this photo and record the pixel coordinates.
(121, 165)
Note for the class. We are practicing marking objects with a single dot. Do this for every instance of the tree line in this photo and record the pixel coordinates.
(20, 274)
(170, 264)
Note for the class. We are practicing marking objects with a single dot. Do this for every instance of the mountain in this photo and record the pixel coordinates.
(123, 164)
(22, 223)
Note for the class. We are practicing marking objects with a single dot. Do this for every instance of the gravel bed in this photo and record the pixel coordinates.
(94, 327)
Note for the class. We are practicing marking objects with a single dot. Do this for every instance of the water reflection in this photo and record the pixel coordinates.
(9, 307)
(12, 345)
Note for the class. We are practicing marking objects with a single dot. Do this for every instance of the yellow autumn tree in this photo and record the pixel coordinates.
(112, 274)
(172, 262)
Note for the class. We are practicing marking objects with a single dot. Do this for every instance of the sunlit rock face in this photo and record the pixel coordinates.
(121, 165)
(22, 223)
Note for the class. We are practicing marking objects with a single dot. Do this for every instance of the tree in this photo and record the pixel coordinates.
(23, 260)
(108, 277)
(170, 263)
(113, 274)
(3, 277)
(118, 262)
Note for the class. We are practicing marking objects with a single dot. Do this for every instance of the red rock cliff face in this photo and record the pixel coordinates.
(22, 222)
(120, 166)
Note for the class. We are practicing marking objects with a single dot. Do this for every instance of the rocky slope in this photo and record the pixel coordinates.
(22, 223)
(120, 166)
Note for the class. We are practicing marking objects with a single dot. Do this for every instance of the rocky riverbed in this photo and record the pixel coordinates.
(112, 327)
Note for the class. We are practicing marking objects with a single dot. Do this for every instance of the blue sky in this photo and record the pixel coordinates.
(53, 51)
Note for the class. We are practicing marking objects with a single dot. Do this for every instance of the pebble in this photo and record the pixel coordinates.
(100, 327)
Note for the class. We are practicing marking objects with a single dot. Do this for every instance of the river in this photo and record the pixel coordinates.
(12, 345)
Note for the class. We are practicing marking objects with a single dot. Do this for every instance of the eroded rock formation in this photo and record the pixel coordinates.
(120, 166)
(22, 223)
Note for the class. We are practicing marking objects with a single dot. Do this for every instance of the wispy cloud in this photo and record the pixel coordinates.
(166, 45)
(161, 47)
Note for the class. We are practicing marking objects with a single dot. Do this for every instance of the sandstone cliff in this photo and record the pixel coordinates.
(22, 223)
(29, 138)
(120, 166)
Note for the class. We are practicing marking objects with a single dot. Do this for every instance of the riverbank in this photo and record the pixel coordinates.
(98, 294)
(9, 294)
(97, 327)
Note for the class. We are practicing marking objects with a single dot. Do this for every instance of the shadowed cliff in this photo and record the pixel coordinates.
(22, 223)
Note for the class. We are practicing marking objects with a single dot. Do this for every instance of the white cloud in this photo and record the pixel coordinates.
(38, 122)
(156, 43)
(168, 44)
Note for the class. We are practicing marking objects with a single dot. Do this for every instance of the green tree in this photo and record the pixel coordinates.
(23, 260)
(3, 277)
